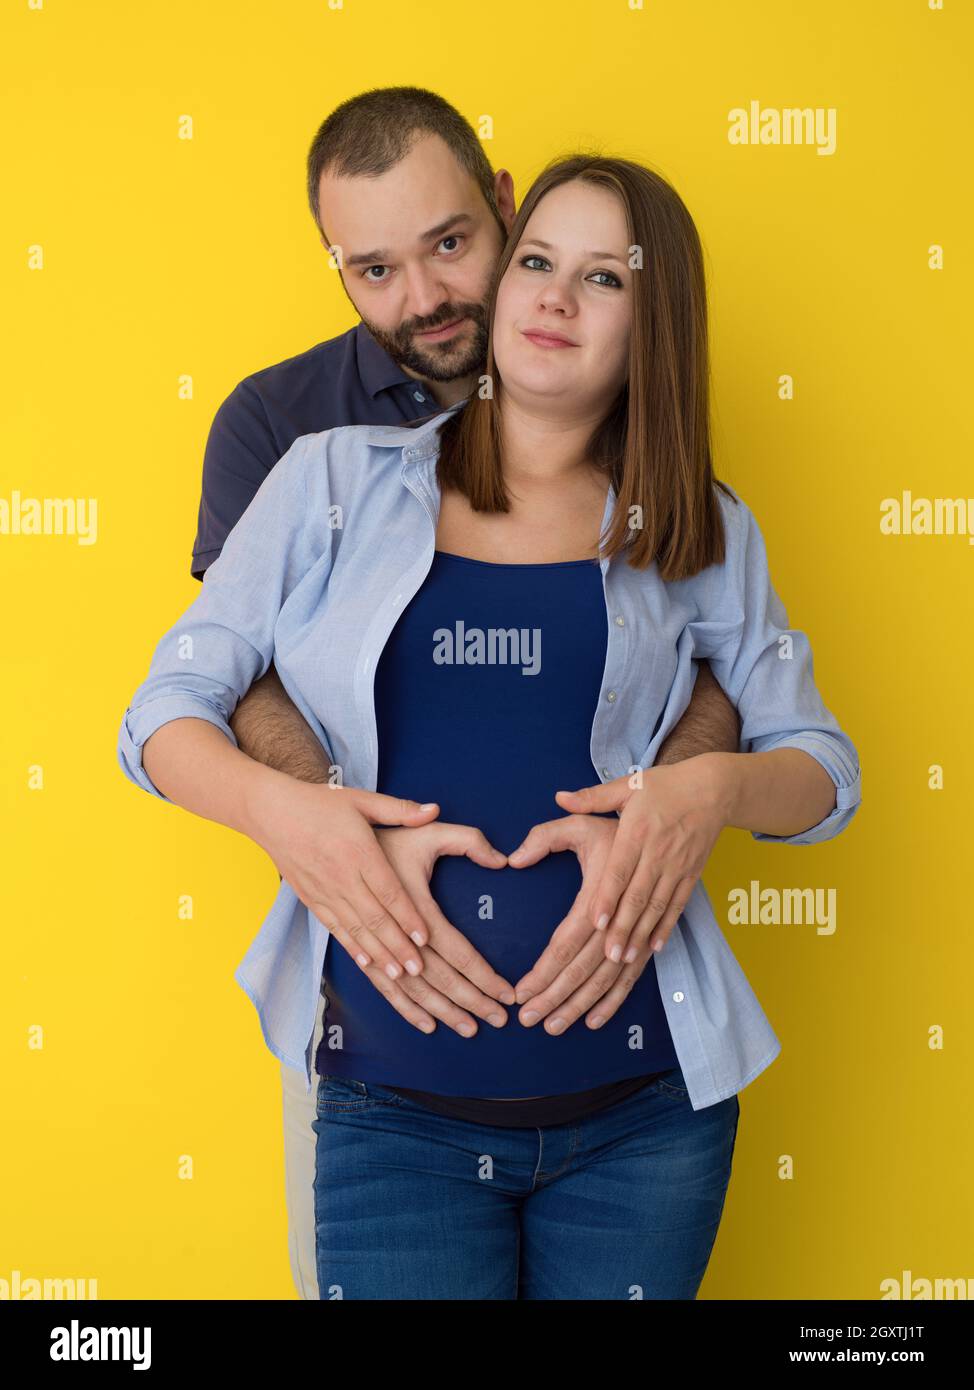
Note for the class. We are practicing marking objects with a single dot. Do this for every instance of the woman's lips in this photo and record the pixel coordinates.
(547, 340)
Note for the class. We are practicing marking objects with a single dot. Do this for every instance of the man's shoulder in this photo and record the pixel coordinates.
(286, 378)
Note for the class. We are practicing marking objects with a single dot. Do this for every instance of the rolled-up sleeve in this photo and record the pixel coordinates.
(765, 668)
(208, 660)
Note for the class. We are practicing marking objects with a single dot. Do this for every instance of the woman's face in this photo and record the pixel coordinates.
(570, 278)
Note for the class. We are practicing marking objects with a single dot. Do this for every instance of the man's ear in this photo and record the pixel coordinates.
(504, 197)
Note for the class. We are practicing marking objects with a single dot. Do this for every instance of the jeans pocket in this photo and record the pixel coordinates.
(341, 1093)
(671, 1083)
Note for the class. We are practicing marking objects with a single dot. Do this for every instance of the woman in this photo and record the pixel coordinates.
(475, 616)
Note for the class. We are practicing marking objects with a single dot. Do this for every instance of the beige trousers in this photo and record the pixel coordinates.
(299, 1169)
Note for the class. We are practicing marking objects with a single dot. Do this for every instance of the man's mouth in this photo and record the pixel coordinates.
(434, 335)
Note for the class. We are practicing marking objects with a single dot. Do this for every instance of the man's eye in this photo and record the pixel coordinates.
(367, 274)
(452, 237)
(525, 259)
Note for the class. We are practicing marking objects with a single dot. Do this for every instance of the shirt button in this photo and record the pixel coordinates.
(678, 997)
(418, 396)
(620, 620)
(605, 772)
(611, 696)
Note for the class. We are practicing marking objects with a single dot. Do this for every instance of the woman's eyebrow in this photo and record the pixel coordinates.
(599, 255)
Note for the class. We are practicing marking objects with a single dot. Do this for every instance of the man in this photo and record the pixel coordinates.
(406, 201)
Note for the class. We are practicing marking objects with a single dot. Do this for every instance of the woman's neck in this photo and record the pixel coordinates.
(544, 445)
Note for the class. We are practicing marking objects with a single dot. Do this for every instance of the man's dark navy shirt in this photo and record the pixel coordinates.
(348, 380)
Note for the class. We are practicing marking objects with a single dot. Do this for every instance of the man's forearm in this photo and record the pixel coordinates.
(709, 724)
(271, 729)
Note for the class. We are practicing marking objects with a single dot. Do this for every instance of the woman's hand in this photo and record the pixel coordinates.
(452, 968)
(572, 974)
(670, 820)
(321, 839)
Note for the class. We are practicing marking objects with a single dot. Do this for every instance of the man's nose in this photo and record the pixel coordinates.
(425, 293)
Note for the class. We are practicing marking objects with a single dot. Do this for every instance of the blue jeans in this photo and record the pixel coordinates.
(623, 1204)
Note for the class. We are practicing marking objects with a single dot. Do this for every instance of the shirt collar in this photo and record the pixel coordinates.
(377, 370)
(417, 441)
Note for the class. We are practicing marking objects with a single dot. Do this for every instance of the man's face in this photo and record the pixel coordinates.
(418, 247)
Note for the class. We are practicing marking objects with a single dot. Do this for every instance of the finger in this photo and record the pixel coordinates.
(663, 930)
(435, 1002)
(609, 977)
(366, 947)
(570, 936)
(573, 977)
(457, 950)
(381, 934)
(468, 840)
(401, 1001)
(379, 809)
(545, 838)
(623, 860)
(603, 796)
(604, 1008)
(383, 884)
(439, 975)
(642, 905)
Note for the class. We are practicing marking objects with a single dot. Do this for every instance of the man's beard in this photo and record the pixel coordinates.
(444, 361)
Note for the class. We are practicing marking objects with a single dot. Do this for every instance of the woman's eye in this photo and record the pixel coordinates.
(525, 259)
(612, 281)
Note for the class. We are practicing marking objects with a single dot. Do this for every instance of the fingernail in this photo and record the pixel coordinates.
(658, 945)
(616, 953)
(631, 954)
(415, 936)
(363, 961)
(427, 805)
(496, 1019)
(556, 1025)
(467, 1029)
(596, 1021)
(508, 997)
(530, 1016)
(603, 921)
(393, 971)
(428, 1027)
(413, 967)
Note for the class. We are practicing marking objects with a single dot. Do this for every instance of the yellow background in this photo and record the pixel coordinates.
(165, 256)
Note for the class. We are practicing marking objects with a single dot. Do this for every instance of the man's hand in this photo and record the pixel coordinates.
(452, 968)
(668, 824)
(572, 974)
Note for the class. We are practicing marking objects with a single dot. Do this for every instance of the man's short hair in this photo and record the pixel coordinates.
(372, 132)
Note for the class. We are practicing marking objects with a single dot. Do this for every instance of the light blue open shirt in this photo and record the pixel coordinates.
(314, 576)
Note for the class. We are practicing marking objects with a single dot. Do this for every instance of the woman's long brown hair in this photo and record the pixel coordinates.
(655, 439)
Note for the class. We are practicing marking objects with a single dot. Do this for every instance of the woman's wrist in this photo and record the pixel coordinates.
(722, 784)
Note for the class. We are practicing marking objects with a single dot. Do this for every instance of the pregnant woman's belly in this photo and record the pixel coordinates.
(492, 741)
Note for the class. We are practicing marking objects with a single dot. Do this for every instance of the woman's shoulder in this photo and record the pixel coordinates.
(338, 461)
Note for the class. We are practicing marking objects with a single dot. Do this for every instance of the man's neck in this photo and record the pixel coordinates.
(445, 393)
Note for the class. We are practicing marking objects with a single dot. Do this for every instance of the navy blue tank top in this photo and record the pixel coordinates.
(485, 695)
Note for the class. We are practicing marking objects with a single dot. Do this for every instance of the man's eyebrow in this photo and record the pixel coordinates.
(380, 256)
(598, 255)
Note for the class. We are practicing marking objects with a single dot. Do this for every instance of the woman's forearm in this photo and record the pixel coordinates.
(781, 792)
(196, 766)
